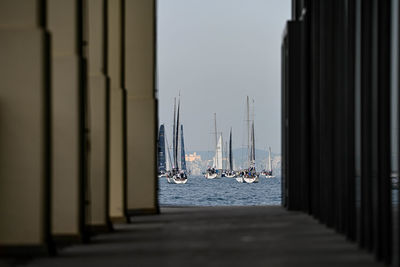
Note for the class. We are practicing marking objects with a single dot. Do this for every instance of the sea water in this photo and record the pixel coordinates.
(199, 191)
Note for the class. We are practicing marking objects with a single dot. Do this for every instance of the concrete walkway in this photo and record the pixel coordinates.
(222, 236)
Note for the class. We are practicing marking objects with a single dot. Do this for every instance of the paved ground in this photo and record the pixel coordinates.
(232, 236)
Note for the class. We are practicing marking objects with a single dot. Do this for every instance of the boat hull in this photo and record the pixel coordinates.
(211, 176)
(251, 180)
(176, 180)
(239, 179)
(180, 181)
(230, 176)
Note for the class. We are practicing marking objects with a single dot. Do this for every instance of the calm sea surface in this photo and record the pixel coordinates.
(199, 191)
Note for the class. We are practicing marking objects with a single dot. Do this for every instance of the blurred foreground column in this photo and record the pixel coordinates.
(141, 106)
(117, 111)
(98, 115)
(67, 203)
(24, 130)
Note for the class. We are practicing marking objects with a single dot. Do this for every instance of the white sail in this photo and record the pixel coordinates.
(215, 159)
(225, 156)
(168, 159)
(218, 154)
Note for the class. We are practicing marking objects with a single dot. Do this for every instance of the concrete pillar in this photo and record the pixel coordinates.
(98, 115)
(141, 106)
(67, 205)
(24, 126)
(117, 111)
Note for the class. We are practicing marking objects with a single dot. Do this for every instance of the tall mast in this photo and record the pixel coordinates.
(177, 135)
(248, 131)
(269, 160)
(222, 151)
(174, 135)
(253, 147)
(230, 151)
(253, 137)
(216, 139)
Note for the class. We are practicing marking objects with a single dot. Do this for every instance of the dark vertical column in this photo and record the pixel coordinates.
(374, 123)
(294, 92)
(339, 75)
(383, 116)
(283, 120)
(366, 189)
(336, 113)
(398, 139)
(295, 118)
(314, 19)
(343, 109)
(304, 114)
(375, 92)
(326, 110)
(357, 118)
(349, 212)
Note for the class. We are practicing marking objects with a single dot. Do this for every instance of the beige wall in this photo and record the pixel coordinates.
(141, 105)
(23, 123)
(62, 23)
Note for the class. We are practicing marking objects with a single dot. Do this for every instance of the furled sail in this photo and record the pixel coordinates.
(161, 149)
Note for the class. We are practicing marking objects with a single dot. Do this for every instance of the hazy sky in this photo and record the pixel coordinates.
(216, 52)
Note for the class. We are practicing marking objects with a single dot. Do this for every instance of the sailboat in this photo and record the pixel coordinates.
(268, 173)
(212, 172)
(178, 175)
(250, 175)
(162, 168)
(230, 173)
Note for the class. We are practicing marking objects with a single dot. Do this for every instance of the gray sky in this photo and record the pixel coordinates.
(216, 52)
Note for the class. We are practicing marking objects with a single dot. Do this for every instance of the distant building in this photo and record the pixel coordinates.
(192, 157)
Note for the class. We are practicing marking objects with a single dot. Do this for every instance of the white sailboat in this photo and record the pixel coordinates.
(268, 173)
(182, 175)
(212, 172)
(174, 163)
(178, 176)
(250, 175)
